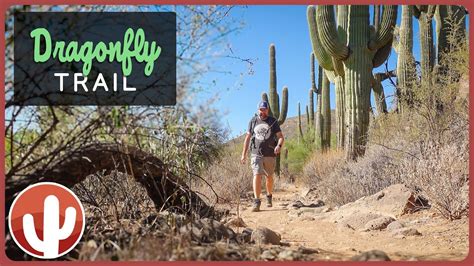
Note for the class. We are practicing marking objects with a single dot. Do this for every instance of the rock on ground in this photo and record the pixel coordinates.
(373, 255)
(378, 223)
(402, 232)
(236, 222)
(358, 220)
(207, 230)
(394, 201)
(394, 226)
(263, 235)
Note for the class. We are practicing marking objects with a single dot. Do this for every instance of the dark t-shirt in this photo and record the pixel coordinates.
(263, 134)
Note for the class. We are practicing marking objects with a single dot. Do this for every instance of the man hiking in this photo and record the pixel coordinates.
(266, 139)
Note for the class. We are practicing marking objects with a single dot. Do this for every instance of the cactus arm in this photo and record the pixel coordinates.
(427, 58)
(385, 32)
(284, 107)
(312, 73)
(330, 75)
(69, 222)
(382, 54)
(342, 14)
(379, 95)
(307, 115)
(338, 67)
(376, 17)
(324, 59)
(30, 233)
(320, 80)
(328, 35)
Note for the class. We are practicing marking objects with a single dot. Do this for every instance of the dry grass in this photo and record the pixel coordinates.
(229, 179)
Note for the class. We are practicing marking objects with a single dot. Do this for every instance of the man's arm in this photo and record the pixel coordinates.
(245, 148)
(281, 140)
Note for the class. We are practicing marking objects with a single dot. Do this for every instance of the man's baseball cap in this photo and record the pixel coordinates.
(263, 105)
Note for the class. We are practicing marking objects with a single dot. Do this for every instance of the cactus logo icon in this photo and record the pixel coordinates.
(46, 220)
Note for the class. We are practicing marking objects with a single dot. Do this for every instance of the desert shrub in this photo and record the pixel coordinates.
(227, 180)
(116, 196)
(319, 166)
(298, 153)
(440, 174)
(339, 182)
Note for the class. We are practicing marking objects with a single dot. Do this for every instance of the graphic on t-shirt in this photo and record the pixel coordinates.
(262, 131)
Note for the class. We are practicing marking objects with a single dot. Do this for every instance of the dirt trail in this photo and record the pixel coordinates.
(440, 239)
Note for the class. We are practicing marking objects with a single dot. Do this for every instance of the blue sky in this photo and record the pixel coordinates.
(286, 27)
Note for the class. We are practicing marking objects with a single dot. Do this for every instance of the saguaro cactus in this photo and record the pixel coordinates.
(274, 99)
(300, 129)
(318, 129)
(311, 91)
(311, 109)
(307, 116)
(325, 114)
(363, 48)
(406, 62)
(424, 14)
(52, 233)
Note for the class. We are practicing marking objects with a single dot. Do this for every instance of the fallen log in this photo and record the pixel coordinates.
(166, 190)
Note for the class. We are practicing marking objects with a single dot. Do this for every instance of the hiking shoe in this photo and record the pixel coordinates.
(269, 201)
(256, 205)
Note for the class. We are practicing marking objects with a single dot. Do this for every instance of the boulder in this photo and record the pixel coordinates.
(245, 236)
(394, 201)
(268, 255)
(236, 222)
(207, 230)
(394, 226)
(358, 220)
(378, 223)
(373, 255)
(403, 232)
(307, 251)
(289, 255)
(263, 235)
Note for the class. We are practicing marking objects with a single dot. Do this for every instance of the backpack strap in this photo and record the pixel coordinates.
(252, 140)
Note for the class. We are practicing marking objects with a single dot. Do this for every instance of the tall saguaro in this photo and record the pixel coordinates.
(406, 61)
(274, 99)
(364, 48)
(424, 14)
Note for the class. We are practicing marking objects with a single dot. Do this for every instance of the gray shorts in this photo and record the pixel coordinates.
(262, 165)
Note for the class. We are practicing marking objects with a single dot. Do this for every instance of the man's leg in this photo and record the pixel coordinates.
(257, 185)
(269, 184)
(257, 168)
(269, 164)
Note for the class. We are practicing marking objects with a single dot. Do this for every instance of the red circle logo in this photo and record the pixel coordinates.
(46, 220)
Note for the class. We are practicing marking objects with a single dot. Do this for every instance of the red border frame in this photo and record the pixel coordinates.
(5, 4)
